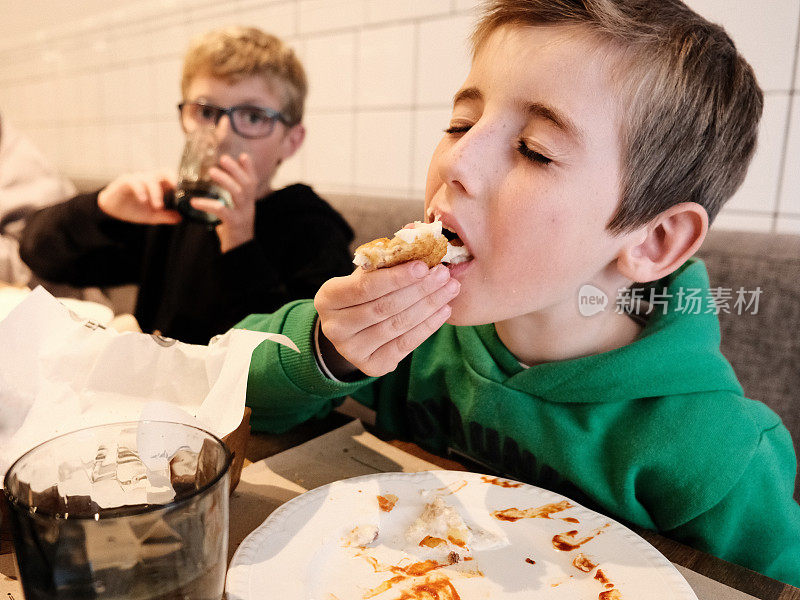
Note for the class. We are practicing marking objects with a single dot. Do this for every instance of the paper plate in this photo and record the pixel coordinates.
(507, 540)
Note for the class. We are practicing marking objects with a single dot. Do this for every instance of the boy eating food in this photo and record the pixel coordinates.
(591, 144)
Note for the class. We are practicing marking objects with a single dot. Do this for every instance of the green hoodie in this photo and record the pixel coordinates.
(657, 433)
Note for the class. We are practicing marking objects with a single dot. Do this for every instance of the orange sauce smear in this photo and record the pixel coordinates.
(437, 589)
(386, 503)
(602, 578)
(456, 541)
(560, 542)
(583, 563)
(418, 569)
(431, 542)
(500, 482)
(542, 512)
(453, 487)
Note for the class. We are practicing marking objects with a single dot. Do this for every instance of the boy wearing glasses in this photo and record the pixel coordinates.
(269, 247)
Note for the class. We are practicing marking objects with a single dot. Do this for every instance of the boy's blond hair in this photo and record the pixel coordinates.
(234, 53)
(690, 102)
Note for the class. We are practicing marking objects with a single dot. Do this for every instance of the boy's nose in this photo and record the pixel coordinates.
(223, 128)
(453, 169)
(466, 165)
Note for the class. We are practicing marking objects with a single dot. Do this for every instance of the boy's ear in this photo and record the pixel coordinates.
(665, 243)
(292, 141)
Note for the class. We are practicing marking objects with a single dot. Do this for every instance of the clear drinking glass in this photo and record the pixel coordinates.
(133, 510)
(200, 152)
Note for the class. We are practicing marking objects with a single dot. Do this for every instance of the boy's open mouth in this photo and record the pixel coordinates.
(452, 236)
(456, 251)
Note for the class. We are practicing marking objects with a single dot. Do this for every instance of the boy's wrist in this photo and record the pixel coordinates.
(332, 364)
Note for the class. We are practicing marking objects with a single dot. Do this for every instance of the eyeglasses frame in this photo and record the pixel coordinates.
(273, 114)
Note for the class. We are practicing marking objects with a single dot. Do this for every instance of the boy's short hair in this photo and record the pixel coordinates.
(234, 53)
(690, 102)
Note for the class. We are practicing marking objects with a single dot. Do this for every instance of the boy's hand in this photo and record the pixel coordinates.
(139, 198)
(239, 178)
(375, 319)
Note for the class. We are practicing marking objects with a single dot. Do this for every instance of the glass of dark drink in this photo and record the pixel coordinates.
(133, 510)
(200, 152)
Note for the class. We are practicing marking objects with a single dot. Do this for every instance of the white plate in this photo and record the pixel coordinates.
(301, 551)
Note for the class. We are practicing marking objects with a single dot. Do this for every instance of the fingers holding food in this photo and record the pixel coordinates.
(374, 319)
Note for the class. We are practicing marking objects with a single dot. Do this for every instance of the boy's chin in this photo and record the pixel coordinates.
(464, 316)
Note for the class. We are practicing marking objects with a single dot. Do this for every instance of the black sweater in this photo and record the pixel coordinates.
(189, 289)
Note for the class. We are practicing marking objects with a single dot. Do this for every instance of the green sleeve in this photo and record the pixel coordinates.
(757, 524)
(284, 387)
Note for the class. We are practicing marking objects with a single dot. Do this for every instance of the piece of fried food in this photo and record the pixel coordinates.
(416, 241)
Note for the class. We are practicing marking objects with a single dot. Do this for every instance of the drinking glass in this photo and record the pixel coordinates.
(134, 510)
(200, 152)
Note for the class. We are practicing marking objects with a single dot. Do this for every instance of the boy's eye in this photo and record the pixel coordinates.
(453, 129)
(207, 112)
(532, 155)
(253, 116)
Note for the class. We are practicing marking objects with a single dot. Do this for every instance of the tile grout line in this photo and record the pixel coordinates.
(355, 108)
(787, 130)
(414, 107)
(301, 42)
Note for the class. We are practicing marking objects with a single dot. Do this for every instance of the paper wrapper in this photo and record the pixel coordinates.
(59, 373)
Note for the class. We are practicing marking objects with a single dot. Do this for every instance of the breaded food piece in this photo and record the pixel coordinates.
(417, 241)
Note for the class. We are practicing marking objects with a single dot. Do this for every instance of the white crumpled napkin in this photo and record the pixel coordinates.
(59, 373)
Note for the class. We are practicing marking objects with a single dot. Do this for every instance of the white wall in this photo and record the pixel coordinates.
(95, 84)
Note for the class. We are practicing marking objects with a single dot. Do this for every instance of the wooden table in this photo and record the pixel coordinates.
(262, 446)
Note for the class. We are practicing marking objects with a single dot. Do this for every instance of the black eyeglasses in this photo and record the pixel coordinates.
(246, 120)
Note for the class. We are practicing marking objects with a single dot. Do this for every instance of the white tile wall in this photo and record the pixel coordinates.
(166, 74)
(329, 148)
(141, 146)
(443, 59)
(790, 192)
(330, 63)
(326, 15)
(467, 5)
(744, 221)
(762, 32)
(169, 143)
(788, 225)
(379, 11)
(386, 66)
(759, 190)
(796, 82)
(278, 18)
(428, 130)
(382, 156)
(95, 84)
